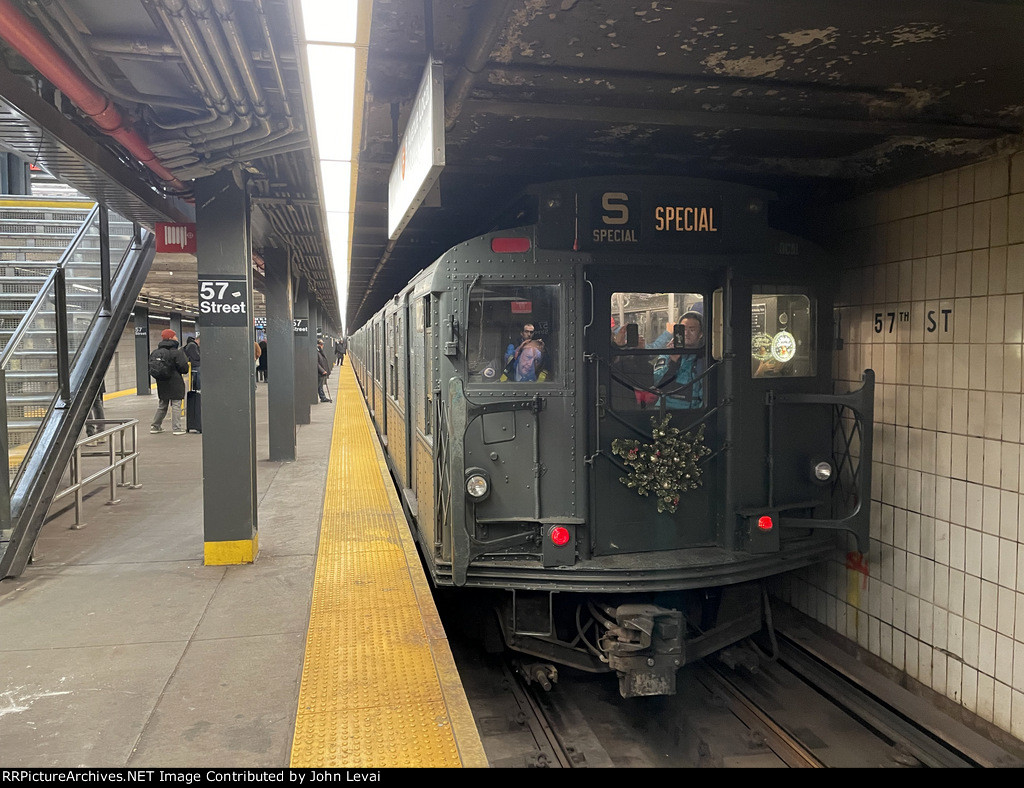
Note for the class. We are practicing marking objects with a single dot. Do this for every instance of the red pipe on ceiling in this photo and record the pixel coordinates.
(18, 31)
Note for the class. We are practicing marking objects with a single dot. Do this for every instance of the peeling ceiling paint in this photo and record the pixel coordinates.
(805, 98)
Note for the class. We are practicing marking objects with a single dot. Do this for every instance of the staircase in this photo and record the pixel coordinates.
(58, 334)
(34, 234)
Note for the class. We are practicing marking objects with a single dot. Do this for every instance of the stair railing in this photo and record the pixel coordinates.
(54, 291)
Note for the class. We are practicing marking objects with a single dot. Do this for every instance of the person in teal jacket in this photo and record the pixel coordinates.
(672, 374)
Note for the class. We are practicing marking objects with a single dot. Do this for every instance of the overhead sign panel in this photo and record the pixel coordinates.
(420, 157)
(172, 237)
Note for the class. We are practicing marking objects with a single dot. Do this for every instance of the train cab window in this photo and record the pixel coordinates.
(643, 321)
(782, 334)
(513, 333)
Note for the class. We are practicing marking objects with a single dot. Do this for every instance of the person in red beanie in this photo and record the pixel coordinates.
(167, 364)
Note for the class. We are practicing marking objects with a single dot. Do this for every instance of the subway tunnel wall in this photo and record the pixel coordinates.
(932, 299)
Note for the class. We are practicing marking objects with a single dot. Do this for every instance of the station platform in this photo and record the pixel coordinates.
(121, 649)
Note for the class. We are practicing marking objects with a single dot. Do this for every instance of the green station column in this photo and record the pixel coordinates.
(302, 370)
(224, 257)
(280, 348)
(140, 323)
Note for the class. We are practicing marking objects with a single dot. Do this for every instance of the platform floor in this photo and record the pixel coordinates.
(119, 648)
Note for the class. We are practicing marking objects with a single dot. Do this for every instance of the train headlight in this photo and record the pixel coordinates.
(477, 485)
(822, 471)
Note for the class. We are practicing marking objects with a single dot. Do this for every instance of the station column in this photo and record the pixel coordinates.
(302, 371)
(281, 341)
(224, 258)
(311, 377)
(140, 322)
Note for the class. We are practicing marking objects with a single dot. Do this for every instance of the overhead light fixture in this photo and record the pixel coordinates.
(336, 38)
(331, 21)
(332, 75)
(337, 180)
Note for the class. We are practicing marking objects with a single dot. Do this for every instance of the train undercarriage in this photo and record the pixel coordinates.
(643, 638)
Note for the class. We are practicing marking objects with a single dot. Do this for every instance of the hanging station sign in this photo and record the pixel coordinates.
(421, 155)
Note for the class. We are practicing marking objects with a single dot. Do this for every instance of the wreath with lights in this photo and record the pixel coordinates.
(668, 466)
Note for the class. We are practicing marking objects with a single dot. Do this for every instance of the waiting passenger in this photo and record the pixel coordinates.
(673, 374)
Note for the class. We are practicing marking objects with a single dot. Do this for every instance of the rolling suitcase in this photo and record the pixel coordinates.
(193, 412)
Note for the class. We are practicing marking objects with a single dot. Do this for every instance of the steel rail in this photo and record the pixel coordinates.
(785, 746)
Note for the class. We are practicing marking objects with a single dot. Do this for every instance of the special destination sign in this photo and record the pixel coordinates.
(629, 219)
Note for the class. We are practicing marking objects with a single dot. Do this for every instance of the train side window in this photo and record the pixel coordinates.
(428, 373)
(513, 333)
(782, 333)
(391, 356)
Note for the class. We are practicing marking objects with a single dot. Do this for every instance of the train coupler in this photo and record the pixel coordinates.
(645, 646)
(543, 673)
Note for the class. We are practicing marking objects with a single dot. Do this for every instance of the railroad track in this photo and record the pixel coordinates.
(808, 704)
(801, 710)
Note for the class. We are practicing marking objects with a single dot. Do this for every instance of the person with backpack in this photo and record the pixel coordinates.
(167, 364)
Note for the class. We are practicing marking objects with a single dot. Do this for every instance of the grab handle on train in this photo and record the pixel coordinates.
(451, 342)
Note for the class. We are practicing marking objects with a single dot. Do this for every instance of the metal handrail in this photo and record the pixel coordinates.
(44, 291)
(123, 458)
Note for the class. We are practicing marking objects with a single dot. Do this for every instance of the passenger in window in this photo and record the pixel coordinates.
(637, 369)
(530, 362)
(514, 351)
(674, 375)
(768, 367)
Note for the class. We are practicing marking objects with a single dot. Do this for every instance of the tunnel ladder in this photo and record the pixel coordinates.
(70, 273)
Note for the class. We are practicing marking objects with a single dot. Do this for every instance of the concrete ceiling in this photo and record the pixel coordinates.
(816, 100)
(207, 85)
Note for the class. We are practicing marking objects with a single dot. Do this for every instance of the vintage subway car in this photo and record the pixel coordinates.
(617, 413)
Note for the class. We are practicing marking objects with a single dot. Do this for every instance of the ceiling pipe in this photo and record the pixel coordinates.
(19, 32)
(487, 30)
(54, 18)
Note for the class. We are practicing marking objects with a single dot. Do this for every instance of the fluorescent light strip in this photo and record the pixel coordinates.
(337, 228)
(331, 38)
(337, 183)
(330, 21)
(332, 76)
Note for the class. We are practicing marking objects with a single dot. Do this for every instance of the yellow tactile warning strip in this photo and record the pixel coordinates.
(29, 202)
(379, 685)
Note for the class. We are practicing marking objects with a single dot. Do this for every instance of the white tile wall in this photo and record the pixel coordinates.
(944, 599)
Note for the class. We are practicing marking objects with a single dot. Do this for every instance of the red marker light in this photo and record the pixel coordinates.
(764, 522)
(559, 535)
(510, 244)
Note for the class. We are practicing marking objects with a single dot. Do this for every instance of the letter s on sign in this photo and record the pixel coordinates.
(610, 203)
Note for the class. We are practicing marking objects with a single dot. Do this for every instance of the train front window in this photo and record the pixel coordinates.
(644, 321)
(782, 335)
(513, 333)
